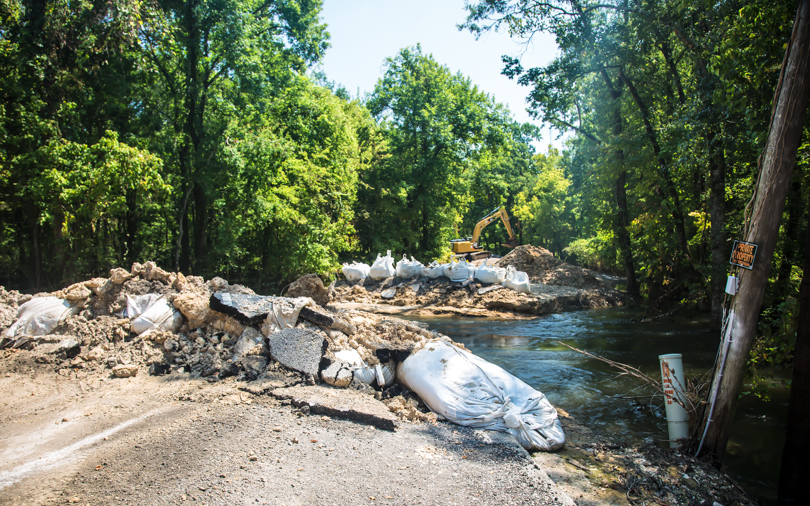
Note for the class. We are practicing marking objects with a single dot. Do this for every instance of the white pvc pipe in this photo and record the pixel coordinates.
(674, 396)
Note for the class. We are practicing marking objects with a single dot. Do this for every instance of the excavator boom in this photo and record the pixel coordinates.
(469, 247)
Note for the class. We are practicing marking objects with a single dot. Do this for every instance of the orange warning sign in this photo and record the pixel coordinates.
(743, 253)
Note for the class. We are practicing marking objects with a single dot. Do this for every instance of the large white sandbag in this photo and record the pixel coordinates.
(356, 271)
(433, 270)
(407, 269)
(152, 311)
(459, 271)
(39, 316)
(469, 391)
(382, 268)
(517, 280)
(490, 274)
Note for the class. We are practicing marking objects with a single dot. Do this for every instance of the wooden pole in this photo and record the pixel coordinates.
(784, 136)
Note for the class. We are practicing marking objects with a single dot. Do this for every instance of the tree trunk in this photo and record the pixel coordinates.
(200, 227)
(795, 464)
(717, 237)
(623, 216)
(670, 192)
(623, 235)
(784, 136)
(792, 233)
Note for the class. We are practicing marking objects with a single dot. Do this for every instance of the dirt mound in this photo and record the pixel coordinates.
(98, 335)
(310, 286)
(543, 267)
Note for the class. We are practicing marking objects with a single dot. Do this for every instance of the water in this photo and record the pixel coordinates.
(596, 395)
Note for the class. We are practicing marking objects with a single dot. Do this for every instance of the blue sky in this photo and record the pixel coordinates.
(366, 32)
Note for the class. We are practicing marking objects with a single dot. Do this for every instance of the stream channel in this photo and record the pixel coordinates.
(596, 396)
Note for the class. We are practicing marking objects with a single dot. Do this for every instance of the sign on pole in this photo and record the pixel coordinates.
(743, 253)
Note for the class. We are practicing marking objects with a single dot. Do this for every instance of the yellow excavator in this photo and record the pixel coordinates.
(470, 250)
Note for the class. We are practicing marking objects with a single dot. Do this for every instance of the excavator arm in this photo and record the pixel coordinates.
(486, 220)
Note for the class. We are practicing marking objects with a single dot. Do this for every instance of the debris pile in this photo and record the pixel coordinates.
(424, 295)
(210, 329)
(543, 267)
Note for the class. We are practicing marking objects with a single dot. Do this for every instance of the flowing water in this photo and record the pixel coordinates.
(594, 394)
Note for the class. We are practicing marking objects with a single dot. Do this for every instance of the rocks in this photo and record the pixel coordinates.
(298, 349)
(125, 370)
(309, 286)
(247, 309)
(194, 306)
(338, 374)
(118, 276)
(251, 342)
(76, 292)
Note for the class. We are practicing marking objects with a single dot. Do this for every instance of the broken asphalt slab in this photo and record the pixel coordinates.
(298, 349)
(338, 403)
(247, 309)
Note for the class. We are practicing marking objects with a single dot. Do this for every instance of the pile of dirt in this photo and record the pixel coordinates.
(543, 267)
(97, 338)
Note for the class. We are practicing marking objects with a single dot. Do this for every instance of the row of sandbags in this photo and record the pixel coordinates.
(383, 268)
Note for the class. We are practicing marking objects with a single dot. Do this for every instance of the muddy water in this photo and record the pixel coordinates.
(597, 396)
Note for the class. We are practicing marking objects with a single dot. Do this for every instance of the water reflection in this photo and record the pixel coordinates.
(596, 395)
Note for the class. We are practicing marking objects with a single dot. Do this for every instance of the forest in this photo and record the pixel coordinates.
(199, 134)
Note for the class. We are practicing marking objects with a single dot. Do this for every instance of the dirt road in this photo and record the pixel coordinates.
(174, 440)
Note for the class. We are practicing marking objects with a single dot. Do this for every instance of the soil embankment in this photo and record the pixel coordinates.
(555, 286)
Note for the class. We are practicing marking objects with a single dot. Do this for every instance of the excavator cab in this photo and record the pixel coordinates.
(469, 249)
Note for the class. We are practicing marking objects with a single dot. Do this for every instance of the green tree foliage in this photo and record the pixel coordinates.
(670, 102)
(181, 132)
(288, 205)
(446, 140)
(544, 207)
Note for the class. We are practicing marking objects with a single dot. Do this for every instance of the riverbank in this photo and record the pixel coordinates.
(556, 286)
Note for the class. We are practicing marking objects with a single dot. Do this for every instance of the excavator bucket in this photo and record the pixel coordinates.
(511, 243)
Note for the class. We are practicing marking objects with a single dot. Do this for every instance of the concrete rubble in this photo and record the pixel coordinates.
(227, 331)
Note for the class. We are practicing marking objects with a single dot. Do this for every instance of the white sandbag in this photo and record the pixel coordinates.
(459, 271)
(490, 274)
(356, 271)
(39, 316)
(407, 269)
(284, 313)
(136, 305)
(517, 280)
(469, 391)
(383, 373)
(433, 270)
(382, 268)
(365, 375)
(149, 312)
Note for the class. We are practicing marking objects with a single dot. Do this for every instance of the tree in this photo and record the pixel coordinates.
(543, 206)
(435, 123)
(207, 63)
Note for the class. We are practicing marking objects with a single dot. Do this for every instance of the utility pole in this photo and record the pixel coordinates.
(778, 160)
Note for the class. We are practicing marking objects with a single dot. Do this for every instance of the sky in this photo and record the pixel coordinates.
(363, 33)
